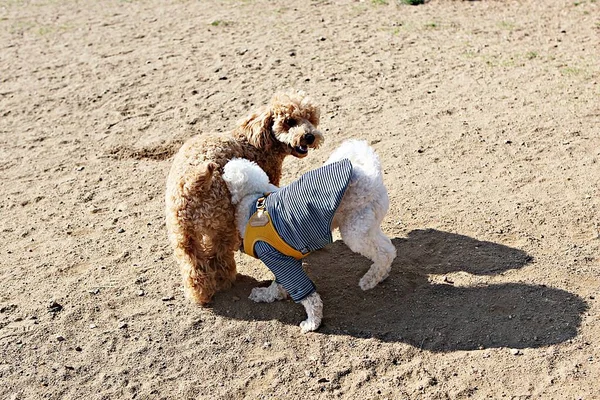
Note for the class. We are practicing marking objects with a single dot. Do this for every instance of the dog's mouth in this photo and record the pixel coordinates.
(309, 140)
(300, 151)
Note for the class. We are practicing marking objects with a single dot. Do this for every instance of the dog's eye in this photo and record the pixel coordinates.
(291, 122)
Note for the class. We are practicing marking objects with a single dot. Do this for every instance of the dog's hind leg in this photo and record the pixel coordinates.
(206, 268)
(223, 262)
(199, 279)
(384, 254)
(369, 241)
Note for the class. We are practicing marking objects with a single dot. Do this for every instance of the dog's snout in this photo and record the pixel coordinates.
(310, 138)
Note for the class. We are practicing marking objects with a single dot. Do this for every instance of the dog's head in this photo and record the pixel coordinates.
(289, 122)
(243, 178)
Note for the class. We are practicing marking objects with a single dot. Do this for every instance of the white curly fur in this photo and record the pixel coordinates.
(358, 217)
(314, 312)
(268, 294)
(362, 210)
(245, 181)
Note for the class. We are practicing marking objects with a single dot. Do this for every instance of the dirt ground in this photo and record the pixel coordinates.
(486, 116)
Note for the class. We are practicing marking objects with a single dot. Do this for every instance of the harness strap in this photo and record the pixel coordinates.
(260, 229)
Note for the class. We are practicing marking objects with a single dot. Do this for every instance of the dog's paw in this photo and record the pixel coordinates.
(367, 282)
(309, 325)
(261, 295)
(268, 294)
(372, 278)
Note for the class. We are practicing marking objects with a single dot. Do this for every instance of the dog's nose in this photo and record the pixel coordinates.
(310, 138)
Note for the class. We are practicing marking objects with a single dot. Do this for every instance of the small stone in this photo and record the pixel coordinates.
(141, 279)
(309, 374)
(60, 338)
(168, 298)
(94, 291)
(322, 39)
(78, 348)
(80, 168)
(9, 308)
(323, 380)
(266, 345)
(516, 352)
(141, 293)
(54, 307)
(123, 325)
(121, 230)
(508, 142)
(92, 326)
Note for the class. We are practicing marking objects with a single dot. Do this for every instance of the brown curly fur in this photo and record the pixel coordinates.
(200, 216)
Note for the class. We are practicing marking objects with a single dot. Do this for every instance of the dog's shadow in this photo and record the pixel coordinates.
(408, 308)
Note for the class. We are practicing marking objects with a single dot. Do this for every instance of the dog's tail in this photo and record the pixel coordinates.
(200, 181)
(365, 161)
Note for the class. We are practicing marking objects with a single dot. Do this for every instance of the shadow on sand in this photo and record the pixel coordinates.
(409, 308)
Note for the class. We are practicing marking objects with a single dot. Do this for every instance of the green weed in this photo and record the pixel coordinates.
(571, 71)
(507, 25)
(220, 22)
(531, 55)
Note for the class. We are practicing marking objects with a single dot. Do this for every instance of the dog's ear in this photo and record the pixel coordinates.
(257, 128)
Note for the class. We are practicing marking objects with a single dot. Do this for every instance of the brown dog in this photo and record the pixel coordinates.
(200, 216)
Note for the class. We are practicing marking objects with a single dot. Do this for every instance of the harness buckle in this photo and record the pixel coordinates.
(260, 203)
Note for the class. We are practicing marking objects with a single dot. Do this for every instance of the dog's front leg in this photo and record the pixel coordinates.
(268, 294)
(314, 310)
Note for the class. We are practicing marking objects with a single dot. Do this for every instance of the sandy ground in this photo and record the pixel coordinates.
(486, 116)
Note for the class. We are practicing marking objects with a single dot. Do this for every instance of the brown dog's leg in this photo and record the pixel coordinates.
(224, 262)
(199, 280)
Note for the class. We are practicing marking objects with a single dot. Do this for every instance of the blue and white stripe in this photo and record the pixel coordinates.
(302, 213)
(287, 270)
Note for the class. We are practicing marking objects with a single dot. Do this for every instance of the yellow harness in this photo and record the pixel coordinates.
(260, 229)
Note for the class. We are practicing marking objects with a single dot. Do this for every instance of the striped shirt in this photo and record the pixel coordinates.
(302, 213)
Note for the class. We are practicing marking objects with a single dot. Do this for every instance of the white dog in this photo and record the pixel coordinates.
(282, 225)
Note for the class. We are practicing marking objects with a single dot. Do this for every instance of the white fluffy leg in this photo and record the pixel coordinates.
(375, 246)
(268, 294)
(314, 310)
(386, 252)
